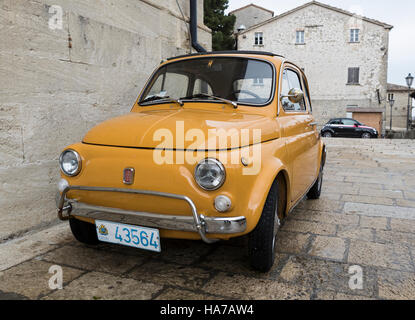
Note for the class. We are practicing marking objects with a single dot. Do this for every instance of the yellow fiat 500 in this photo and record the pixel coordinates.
(218, 145)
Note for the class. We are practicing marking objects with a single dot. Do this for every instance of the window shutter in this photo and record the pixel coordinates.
(356, 75)
(353, 77)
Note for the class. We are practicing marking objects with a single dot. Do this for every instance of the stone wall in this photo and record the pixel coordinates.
(400, 110)
(56, 84)
(326, 56)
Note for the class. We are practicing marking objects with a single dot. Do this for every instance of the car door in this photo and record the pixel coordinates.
(350, 130)
(336, 126)
(300, 133)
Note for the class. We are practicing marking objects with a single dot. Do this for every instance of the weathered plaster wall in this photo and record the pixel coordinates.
(327, 55)
(400, 110)
(250, 16)
(57, 84)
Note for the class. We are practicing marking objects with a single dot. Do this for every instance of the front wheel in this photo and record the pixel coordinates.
(262, 240)
(327, 134)
(366, 135)
(83, 231)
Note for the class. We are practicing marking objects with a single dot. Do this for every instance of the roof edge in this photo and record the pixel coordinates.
(379, 23)
(198, 54)
(252, 5)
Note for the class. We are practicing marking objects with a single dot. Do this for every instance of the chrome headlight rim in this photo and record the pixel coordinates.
(222, 170)
(78, 158)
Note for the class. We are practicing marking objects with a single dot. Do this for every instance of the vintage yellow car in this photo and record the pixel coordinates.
(217, 146)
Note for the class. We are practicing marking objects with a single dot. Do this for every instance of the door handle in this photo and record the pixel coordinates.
(312, 124)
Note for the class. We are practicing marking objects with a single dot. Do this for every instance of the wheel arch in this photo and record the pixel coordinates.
(328, 130)
(278, 173)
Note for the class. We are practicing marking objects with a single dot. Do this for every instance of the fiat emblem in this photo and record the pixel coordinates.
(128, 176)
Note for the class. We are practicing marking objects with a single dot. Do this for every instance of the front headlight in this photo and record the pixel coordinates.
(210, 174)
(70, 162)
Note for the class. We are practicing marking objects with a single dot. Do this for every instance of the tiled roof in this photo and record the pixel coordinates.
(397, 87)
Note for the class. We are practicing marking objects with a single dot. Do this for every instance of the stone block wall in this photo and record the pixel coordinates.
(56, 84)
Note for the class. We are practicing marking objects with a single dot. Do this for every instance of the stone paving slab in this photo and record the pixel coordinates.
(365, 219)
(32, 245)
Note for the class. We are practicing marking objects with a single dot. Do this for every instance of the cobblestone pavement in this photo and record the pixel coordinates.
(366, 217)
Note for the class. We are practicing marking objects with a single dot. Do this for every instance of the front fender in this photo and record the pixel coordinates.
(272, 166)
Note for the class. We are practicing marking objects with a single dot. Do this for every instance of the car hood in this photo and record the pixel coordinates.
(184, 129)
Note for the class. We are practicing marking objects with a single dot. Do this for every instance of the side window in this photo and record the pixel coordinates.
(291, 80)
(307, 94)
(349, 122)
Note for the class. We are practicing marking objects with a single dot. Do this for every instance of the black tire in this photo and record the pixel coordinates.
(327, 134)
(315, 190)
(366, 135)
(83, 231)
(262, 240)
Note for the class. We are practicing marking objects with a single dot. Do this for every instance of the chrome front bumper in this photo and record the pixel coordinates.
(195, 223)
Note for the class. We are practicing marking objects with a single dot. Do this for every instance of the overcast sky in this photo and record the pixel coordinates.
(399, 13)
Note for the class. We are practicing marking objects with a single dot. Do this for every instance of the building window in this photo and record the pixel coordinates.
(353, 77)
(259, 38)
(259, 82)
(299, 39)
(354, 35)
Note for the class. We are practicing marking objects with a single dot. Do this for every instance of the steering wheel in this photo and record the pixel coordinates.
(248, 92)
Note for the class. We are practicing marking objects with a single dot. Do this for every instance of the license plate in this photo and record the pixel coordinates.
(128, 235)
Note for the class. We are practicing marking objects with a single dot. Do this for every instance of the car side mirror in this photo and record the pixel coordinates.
(356, 125)
(295, 95)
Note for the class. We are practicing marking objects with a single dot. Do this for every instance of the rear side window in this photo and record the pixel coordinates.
(348, 122)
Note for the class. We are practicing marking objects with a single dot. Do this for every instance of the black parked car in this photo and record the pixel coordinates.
(348, 128)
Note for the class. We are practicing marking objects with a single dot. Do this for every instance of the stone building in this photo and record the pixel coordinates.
(64, 67)
(251, 15)
(400, 107)
(345, 57)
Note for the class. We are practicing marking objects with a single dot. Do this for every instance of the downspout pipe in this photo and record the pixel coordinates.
(193, 27)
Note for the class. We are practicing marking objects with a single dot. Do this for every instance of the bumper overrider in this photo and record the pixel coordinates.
(195, 223)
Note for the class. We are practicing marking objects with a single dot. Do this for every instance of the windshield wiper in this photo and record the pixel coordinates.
(204, 95)
(155, 98)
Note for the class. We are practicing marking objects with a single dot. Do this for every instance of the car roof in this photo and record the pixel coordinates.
(236, 52)
(342, 119)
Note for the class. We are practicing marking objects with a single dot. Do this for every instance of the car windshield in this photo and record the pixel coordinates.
(242, 80)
